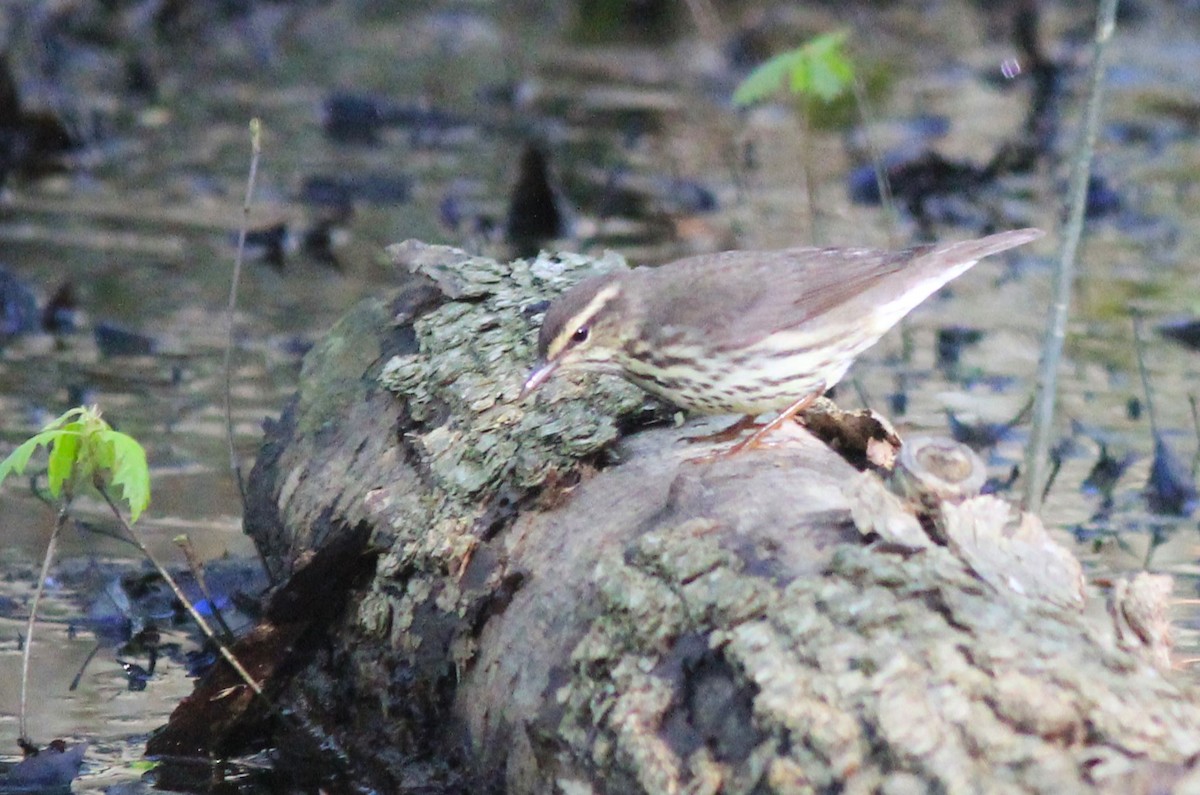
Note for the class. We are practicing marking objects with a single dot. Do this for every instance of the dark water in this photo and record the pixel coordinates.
(651, 159)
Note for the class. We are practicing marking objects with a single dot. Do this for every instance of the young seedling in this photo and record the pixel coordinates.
(820, 69)
(816, 74)
(87, 455)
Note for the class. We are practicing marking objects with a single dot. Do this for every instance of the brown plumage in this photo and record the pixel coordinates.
(744, 331)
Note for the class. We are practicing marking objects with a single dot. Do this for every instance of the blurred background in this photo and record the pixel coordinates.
(506, 128)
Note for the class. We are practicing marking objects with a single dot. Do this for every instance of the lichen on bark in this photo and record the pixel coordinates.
(475, 352)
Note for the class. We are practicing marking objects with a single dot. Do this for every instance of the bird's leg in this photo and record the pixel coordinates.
(726, 434)
(755, 439)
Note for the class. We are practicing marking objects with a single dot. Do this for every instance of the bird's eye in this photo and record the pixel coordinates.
(580, 335)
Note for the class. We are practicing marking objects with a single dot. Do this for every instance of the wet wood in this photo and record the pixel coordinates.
(566, 601)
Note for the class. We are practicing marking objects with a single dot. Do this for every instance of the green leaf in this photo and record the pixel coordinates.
(819, 68)
(84, 447)
(78, 411)
(63, 457)
(125, 459)
(832, 75)
(18, 459)
(766, 79)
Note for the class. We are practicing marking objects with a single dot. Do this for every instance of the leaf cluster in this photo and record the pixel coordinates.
(819, 69)
(84, 451)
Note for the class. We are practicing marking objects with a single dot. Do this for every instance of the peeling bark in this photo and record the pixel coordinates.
(566, 601)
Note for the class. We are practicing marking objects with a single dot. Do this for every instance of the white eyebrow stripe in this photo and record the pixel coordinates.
(583, 318)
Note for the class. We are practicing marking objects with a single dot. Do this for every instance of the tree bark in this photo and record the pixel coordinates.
(567, 601)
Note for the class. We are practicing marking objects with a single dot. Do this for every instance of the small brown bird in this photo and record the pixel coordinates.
(747, 332)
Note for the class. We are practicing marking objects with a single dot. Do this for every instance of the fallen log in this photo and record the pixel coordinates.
(568, 597)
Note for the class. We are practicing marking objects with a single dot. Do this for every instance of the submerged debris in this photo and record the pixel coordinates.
(1104, 475)
(982, 435)
(1169, 488)
(32, 143)
(49, 769)
(18, 306)
(1185, 331)
(116, 340)
(537, 209)
(951, 340)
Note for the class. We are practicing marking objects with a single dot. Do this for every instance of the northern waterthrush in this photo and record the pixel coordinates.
(747, 332)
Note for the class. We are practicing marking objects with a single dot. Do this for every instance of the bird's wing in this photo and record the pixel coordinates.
(778, 290)
(739, 297)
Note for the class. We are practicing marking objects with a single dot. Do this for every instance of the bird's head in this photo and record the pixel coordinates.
(582, 331)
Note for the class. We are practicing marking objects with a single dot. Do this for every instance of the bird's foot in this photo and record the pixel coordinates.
(756, 439)
(725, 434)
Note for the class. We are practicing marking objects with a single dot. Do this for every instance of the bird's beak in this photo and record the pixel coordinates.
(541, 374)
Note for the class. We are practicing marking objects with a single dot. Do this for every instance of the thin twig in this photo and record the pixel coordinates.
(182, 597)
(256, 150)
(1139, 354)
(810, 184)
(860, 391)
(882, 183)
(1196, 430)
(27, 652)
(285, 718)
(1158, 537)
(1056, 330)
(91, 655)
(196, 566)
